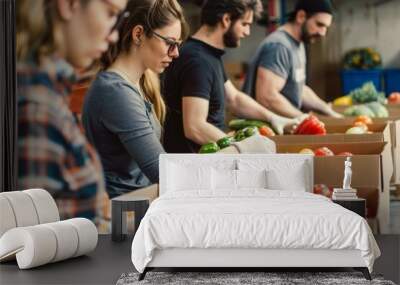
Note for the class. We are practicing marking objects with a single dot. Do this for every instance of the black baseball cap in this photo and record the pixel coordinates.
(314, 6)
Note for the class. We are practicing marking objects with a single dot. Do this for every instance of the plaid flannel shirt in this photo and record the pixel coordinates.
(53, 154)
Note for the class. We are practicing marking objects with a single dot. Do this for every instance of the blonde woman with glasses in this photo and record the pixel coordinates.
(123, 110)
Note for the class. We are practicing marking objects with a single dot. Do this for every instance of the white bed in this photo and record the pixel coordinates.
(218, 225)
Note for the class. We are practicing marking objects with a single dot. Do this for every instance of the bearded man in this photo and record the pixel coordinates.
(276, 76)
(196, 87)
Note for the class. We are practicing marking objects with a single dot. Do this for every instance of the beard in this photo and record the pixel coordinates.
(307, 37)
(231, 40)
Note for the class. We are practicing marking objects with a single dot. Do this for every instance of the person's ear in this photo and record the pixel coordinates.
(66, 8)
(226, 21)
(137, 34)
(301, 17)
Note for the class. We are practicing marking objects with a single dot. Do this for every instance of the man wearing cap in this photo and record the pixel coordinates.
(276, 76)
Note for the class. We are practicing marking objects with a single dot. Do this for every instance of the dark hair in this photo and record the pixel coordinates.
(213, 10)
(291, 18)
(152, 15)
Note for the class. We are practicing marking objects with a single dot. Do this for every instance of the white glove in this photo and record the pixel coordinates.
(280, 124)
(335, 114)
(301, 118)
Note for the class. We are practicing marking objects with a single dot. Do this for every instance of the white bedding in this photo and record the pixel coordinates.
(251, 218)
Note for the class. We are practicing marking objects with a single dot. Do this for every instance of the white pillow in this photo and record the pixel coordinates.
(283, 174)
(251, 178)
(188, 177)
(223, 179)
(296, 180)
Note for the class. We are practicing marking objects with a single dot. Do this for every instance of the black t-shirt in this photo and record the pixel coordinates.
(197, 72)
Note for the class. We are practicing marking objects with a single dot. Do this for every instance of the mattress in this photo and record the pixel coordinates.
(250, 219)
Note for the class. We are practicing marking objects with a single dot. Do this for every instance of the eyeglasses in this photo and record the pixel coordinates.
(171, 43)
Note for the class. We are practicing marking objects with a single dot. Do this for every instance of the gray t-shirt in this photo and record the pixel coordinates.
(284, 56)
(124, 130)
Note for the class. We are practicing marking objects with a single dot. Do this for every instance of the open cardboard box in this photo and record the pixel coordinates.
(394, 126)
(336, 133)
(382, 132)
(372, 168)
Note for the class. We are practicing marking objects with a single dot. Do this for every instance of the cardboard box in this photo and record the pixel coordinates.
(372, 164)
(367, 163)
(394, 127)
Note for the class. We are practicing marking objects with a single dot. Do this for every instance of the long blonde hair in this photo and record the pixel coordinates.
(36, 32)
(151, 14)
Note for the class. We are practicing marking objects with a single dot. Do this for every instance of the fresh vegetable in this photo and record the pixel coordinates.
(343, 101)
(306, 151)
(345, 153)
(238, 124)
(266, 131)
(323, 151)
(367, 93)
(225, 142)
(394, 98)
(250, 131)
(362, 58)
(359, 110)
(310, 126)
(378, 109)
(211, 147)
(322, 189)
(356, 131)
(364, 119)
(361, 125)
(239, 135)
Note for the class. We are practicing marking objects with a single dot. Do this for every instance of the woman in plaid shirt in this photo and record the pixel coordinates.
(54, 38)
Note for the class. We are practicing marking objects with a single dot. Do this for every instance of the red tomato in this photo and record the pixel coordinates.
(323, 151)
(323, 190)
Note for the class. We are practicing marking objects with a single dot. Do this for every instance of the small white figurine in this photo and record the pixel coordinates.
(347, 174)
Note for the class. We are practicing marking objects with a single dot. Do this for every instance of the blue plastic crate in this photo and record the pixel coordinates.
(352, 79)
(392, 81)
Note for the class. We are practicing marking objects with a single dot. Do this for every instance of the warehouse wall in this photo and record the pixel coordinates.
(358, 23)
(371, 23)
(248, 45)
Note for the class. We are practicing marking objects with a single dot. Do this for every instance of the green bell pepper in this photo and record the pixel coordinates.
(225, 142)
(211, 147)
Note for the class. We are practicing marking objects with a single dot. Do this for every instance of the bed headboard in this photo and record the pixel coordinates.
(289, 164)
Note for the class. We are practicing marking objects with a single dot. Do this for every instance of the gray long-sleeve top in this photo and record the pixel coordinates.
(123, 128)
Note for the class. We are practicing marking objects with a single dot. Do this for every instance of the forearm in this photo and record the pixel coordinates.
(244, 106)
(203, 132)
(278, 103)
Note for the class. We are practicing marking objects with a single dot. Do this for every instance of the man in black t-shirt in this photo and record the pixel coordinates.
(196, 87)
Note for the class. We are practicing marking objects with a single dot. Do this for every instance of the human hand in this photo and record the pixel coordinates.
(283, 125)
